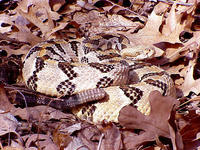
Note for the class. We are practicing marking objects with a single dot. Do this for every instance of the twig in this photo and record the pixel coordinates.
(172, 2)
(100, 141)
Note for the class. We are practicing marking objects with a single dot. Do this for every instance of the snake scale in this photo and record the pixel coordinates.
(99, 68)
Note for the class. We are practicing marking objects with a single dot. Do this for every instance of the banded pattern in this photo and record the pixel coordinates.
(92, 69)
(133, 93)
(102, 67)
(32, 81)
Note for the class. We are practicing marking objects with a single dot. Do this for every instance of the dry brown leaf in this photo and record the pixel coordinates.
(172, 22)
(23, 50)
(190, 84)
(190, 49)
(154, 125)
(40, 16)
(61, 139)
(6, 23)
(89, 135)
(12, 148)
(178, 73)
(190, 133)
(16, 29)
(43, 113)
(8, 123)
(5, 104)
(112, 138)
(161, 8)
(40, 140)
(174, 27)
(109, 137)
(151, 34)
(56, 4)
(71, 129)
(24, 35)
(99, 23)
(76, 144)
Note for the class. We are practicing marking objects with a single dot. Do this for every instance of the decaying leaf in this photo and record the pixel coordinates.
(8, 123)
(154, 125)
(170, 28)
(39, 140)
(43, 113)
(5, 104)
(190, 134)
(190, 84)
(97, 23)
(111, 138)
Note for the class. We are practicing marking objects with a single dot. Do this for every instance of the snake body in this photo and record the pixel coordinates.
(94, 68)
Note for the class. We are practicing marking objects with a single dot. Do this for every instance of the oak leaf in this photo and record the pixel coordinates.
(154, 125)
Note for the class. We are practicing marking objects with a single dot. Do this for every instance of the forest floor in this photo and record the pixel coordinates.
(170, 27)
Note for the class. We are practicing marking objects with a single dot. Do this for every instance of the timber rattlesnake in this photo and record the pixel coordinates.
(95, 68)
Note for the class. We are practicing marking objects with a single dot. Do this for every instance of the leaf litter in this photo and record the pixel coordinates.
(170, 27)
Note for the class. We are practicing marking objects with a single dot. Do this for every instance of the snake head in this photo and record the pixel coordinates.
(138, 52)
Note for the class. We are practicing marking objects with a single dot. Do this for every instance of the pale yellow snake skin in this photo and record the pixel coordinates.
(97, 68)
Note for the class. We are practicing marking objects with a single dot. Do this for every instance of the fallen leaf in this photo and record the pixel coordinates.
(96, 23)
(154, 125)
(8, 123)
(56, 4)
(156, 32)
(40, 140)
(190, 84)
(40, 16)
(112, 138)
(76, 144)
(61, 139)
(43, 113)
(5, 104)
(190, 133)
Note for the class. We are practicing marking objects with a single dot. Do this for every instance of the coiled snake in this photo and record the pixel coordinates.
(96, 68)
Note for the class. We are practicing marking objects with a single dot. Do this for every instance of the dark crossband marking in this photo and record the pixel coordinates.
(91, 110)
(102, 67)
(46, 57)
(59, 47)
(135, 94)
(74, 47)
(110, 56)
(88, 111)
(66, 87)
(68, 70)
(87, 49)
(51, 41)
(34, 49)
(50, 49)
(158, 84)
(104, 82)
(138, 65)
(108, 36)
(39, 65)
(152, 74)
(84, 60)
